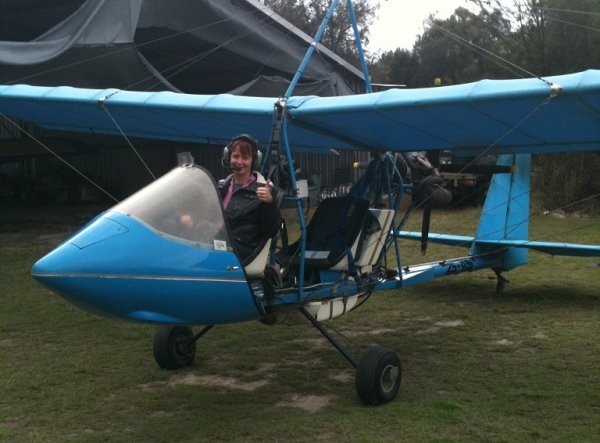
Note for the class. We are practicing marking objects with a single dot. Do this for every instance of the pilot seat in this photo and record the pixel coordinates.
(344, 234)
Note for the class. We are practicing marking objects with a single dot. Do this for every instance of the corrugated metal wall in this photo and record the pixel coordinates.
(115, 167)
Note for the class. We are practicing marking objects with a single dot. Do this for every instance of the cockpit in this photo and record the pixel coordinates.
(183, 205)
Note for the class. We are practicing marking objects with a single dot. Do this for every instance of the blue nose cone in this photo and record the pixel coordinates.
(68, 258)
(118, 266)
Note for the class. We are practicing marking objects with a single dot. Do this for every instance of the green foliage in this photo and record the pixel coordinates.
(543, 37)
(458, 50)
(567, 182)
(399, 65)
(307, 15)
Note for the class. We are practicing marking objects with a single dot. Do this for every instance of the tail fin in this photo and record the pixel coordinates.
(505, 213)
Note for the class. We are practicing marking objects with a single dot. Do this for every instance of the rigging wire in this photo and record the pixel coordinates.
(39, 142)
(507, 65)
(494, 144)
(489, 55)
(569, 11)
(590, 197)
(105, 108)
(577, 25)
(184, 65)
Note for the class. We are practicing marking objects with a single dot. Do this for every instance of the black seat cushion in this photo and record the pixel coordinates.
(333, 229)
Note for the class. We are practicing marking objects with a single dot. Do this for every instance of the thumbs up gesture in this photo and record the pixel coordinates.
(264, 192)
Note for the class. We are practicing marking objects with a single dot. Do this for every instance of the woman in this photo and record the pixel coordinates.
(251, 211)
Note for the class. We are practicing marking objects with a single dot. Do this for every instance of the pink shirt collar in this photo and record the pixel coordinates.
(227, 197)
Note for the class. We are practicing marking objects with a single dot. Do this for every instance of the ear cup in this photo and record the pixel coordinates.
(225, 157)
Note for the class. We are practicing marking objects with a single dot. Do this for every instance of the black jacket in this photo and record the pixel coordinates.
(250, 222)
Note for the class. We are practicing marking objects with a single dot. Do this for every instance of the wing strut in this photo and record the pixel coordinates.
(361, 55)
(315, 42)
(280, 134)
(309, 53)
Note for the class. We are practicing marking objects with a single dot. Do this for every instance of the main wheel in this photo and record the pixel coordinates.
(378, 376)
(173, 347)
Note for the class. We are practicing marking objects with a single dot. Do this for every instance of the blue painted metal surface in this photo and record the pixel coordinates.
(117, 265)
(359, 49)
(141, 261)
(552, 248)
(461, 117)
(311, 49)
(505, 213)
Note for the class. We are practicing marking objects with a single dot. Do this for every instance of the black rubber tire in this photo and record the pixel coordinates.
(173, 347)
(378, 376)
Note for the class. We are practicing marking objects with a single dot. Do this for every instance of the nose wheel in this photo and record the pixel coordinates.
(175, 346)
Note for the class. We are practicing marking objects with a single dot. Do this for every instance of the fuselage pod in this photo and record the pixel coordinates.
(163, 255)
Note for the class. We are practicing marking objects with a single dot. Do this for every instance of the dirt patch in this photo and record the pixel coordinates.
(313, 343)
(266, 367)
(161, 414)
(431, 330)
(437, 326)
(369, 332)
(450, 323)
(206, 380)
(343, 377)
(216, 380)
(540, 335)
(308, 403)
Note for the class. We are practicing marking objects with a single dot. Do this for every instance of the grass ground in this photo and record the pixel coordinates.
(477, 366)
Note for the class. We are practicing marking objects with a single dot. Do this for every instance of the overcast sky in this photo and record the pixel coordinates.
(400, 21)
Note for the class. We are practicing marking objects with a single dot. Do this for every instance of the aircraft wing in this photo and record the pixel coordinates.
(506, 115)
(552, 248)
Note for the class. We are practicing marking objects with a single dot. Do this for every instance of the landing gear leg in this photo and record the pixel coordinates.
(175, 346)
(378, 373)
(501, 281)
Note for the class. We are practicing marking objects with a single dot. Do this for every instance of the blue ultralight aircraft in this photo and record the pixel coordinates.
(137, 262)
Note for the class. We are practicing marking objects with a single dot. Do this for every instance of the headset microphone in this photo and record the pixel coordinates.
(226, 166)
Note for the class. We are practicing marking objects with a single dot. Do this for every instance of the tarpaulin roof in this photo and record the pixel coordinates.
(207, 47)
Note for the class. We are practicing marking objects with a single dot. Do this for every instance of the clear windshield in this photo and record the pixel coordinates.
(184, 204)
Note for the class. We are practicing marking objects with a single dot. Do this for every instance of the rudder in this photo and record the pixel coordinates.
(505, 213)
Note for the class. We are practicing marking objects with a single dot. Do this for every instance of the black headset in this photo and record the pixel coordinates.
(257, 154)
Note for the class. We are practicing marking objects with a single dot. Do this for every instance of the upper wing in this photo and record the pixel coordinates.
(504, 115)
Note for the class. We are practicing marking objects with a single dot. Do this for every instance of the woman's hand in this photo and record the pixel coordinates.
(186, 220)
(264, 192)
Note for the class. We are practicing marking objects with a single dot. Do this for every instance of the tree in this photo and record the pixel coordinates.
(397, 67)
(460, 49)
(456, 50)
(307, 15)
(549, 36)
(554, 37)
